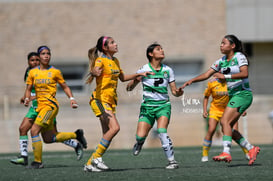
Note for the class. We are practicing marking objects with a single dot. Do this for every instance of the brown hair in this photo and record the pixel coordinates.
(93, 55)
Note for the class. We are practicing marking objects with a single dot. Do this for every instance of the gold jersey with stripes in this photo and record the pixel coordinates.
(45, 84)
(219, 93)
(106, 83)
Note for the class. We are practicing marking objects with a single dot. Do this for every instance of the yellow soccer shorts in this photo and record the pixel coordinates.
(99, 107)
(46, 117)
(216, 114)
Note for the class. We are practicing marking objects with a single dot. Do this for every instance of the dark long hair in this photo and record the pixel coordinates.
(151, 49)
(28, 68)
(238, 44)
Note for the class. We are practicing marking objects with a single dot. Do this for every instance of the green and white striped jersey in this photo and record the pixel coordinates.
(155, 87)
(232, 67)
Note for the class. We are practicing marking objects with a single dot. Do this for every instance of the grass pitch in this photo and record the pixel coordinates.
(149, 165)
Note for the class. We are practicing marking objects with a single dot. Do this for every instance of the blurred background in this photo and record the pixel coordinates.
(189, 31)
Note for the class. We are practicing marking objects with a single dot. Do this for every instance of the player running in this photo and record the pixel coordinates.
(44, 78)
(34, 61)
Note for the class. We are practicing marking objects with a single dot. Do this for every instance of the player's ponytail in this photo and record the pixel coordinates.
(93, 54)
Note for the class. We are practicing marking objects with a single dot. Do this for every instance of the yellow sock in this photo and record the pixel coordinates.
(37, 147)
(100, 150)
(206, 147)
(63, 136)
(206, 150)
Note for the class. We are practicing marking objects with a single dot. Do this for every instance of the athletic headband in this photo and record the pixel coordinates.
(104, 40)
(42, 48)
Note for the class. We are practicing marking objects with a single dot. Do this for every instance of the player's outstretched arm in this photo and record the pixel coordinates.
(69, 94)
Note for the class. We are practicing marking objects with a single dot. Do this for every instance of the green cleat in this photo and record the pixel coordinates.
(20, 160)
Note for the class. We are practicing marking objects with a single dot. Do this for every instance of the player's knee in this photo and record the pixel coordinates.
(47, 140)
(116, 129)
(23, 130)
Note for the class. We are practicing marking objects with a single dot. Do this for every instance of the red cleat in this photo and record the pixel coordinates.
(253, 154)
(223, 157)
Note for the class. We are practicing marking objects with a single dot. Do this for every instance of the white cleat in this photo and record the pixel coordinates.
(172, 165)
(91, 168)
(205, 159)
(98, 163)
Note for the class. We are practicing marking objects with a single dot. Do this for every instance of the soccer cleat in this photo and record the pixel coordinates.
(137, 148)
(80, 137)
(98, 163)
(35, 165)
(223, 157)
(21, 160)
(172, 165)
(205, 159)
(91, 168)
(79, 151)
(253, 154)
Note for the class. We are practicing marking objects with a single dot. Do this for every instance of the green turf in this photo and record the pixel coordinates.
(149, 165)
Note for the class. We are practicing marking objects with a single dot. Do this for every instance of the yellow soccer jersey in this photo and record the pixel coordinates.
(45, 84)
(219, 94)
(106, 89)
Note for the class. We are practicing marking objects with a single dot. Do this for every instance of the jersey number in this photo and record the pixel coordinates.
(158, 81)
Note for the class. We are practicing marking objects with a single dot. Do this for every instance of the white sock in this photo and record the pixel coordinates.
(23, 146)
(246, 145)
(71, 143)
(227, 146)
(167, 145)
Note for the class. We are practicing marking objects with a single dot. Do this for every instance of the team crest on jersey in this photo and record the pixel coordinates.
(232, 62)
(165, 74)
(49, 74)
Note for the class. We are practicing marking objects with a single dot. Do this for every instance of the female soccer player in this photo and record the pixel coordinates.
(156, 104)
(232, 67)
(44, 78)
(105, 67)
(217, 89)
(33, 61)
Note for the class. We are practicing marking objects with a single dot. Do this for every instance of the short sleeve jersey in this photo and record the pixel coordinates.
(34, 101)
(155, 87)
(218, 92)
(45, 84)
(106, 88)
(232, 67)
